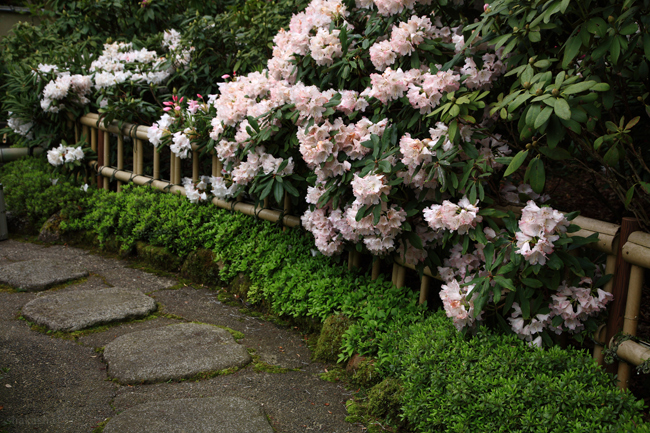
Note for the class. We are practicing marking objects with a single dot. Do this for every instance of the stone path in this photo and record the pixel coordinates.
(178, 369)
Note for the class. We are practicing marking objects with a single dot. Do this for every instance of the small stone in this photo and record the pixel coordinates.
(72, 311)
(196, 415)
(39, 274)
(51, 231)
(173, 352)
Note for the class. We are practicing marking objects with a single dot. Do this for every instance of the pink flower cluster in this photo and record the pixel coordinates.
(538, 232)
(369, 189)
(308, 31)
(526, 329)
(404, 39)
(482, 78)
(576, 304)
(196, 192)
(459, 303)
(454, 217)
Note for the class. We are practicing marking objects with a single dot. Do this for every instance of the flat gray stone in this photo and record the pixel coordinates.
(39, 274)
(75, 310)
(196, 415)
(173, 352)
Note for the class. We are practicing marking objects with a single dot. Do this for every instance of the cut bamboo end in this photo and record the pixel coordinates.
(633, 352)
(635, 250)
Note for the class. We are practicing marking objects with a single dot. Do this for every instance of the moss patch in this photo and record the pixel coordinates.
(383, 402)
(200, 266)
(334, 375)
(260, 366)
(365, 375)
(158, 257)
(100, 427)
(328, 347)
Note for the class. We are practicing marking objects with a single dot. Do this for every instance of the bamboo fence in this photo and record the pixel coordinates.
(627, 250)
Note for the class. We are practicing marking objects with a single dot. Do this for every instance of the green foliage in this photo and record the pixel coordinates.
(576, 89)
(29, 191)
(492, 382)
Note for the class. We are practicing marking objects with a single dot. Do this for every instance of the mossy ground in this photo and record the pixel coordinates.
(382, 402)
(328, 347)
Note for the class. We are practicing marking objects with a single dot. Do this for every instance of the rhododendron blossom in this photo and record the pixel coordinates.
(459, 303)
(64, 154)
(576, 304)
(449, 216)
(538, 232)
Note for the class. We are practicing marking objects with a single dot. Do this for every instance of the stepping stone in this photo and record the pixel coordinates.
(196, 415)
(39, 274)
(75, 310)
(173, 352)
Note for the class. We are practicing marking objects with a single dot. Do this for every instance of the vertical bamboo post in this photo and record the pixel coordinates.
(424, 288)
(107, 157)
(120, 159)
(266, 203)
(286, 208)
(172, 169)
(156, 164)
(376, 268)
(354, 258)
(619, 289)
(195, 166)
(138, 157)
(84, 133)
(631, 318)
(177, 170)
(401, 276)
(100, 156)
(140, 145)
(215, 166)
(393, 278)
(93, 139)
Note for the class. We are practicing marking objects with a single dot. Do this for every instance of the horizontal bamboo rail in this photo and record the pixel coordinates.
(246, 208)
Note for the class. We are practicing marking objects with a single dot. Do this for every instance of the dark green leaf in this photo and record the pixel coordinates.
(517, 161)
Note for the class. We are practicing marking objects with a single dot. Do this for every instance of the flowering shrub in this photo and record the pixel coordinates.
(398, 160)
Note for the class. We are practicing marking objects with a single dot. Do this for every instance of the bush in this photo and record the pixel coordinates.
(492, 382)
(31, 190)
